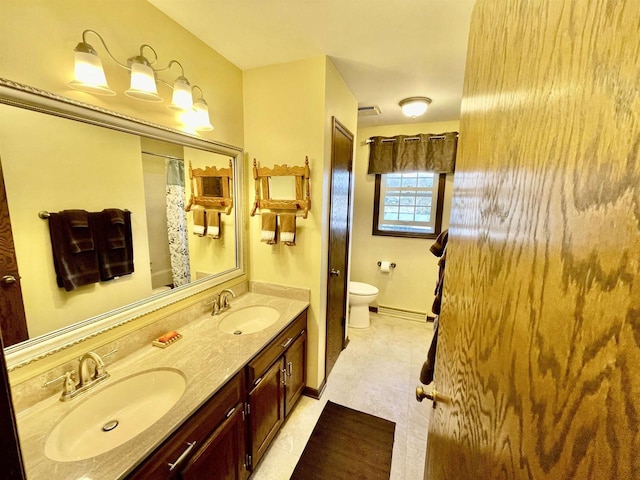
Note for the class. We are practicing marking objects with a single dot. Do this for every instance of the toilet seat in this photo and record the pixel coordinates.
(359, 288)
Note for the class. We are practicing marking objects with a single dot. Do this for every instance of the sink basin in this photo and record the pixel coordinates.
(110, 416)
(249, 320)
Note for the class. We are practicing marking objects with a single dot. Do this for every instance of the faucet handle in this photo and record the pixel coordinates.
(68, 387)
(64, 377)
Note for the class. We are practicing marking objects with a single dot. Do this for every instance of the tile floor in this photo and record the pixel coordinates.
(377, 374)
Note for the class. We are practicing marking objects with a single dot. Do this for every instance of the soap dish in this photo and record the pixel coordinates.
(167, 339)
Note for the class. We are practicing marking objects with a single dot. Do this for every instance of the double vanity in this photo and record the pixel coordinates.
(207, 406)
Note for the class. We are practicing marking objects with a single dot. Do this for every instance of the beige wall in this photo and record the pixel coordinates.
(411, 284)
(38, 38)
(288, 111)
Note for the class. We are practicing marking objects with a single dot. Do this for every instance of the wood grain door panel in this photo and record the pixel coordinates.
(539, 345)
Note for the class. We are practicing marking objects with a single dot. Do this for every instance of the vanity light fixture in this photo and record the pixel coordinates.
(414, 106)
(201, 119)
(89, 77)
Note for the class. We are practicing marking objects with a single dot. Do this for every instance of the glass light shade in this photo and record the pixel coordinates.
(182, 98)
(201, 116)
(415, 106)
(88, 74)
(143, 83)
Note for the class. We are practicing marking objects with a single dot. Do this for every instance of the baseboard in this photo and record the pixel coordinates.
(373, 309)
(404, 314)
(315, 393)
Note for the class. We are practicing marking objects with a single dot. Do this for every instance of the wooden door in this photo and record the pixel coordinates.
(539, 345)
(266, 410)
(339, 222)
(295, 363)
(222, 456)
(10, 454)
(13, 322)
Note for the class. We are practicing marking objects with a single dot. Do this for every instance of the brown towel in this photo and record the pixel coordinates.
(77, 230)
(213, 223)
(438, 247)
(73, 268)
(199, 226)
(115, 243)
(269, 228)
(288, 229)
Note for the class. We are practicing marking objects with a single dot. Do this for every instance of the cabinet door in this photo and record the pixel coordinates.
(266, 409)
(222, 456)
(295, 364)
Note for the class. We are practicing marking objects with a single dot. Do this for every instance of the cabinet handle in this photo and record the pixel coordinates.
(181, 458)
(287, 343)
(230, 412)
(284, 377)
(290, 368)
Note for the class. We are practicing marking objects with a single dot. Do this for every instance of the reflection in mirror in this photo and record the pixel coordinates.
(53, 164)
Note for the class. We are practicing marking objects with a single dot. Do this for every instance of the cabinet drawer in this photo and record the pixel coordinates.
(196, 429)
(261, 362)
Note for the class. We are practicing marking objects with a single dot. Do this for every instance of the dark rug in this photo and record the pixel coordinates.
(347, 445)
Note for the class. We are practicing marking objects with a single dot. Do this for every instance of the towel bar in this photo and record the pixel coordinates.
(43, 214)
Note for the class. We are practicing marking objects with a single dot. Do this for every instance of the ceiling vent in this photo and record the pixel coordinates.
(369, 111)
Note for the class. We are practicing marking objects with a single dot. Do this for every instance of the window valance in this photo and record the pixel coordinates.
(422, 152)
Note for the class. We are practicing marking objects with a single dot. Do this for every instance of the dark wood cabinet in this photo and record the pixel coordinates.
(276, 378)
(222, 456)
(296, 371)
(266, 409)
(215, 431)
(228, 436)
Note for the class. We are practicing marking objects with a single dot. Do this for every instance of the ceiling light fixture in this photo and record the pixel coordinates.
(89, 77)
(414, 106)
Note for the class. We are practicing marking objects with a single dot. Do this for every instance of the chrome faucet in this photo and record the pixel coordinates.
(220, 301)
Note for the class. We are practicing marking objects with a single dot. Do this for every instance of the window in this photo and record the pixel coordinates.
(408, 204)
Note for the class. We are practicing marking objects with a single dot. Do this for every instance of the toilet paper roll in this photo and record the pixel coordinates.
(385, 267)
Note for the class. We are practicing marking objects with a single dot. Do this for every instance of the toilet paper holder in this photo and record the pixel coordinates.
(392, 265)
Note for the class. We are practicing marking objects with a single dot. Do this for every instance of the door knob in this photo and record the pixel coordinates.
(8, 280)
(434, 396)
(334, 272)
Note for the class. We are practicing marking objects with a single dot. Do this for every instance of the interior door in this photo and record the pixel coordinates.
(13, 322)
(10, 454)
(539, 348)
(339, 221)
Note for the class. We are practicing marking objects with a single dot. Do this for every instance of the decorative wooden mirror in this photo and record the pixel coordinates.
(271, 183)
(210, 187)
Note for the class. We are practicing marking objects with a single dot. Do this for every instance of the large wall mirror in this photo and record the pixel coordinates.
(56, 155)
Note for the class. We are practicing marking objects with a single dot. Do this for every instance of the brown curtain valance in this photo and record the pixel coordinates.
(406, 153)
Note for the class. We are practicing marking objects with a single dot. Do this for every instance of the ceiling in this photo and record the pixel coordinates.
(385, 50)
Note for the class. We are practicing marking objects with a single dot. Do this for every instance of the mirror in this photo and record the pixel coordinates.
(57, 154)
(282, 188)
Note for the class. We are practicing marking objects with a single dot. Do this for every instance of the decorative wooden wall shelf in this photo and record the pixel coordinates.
(212, 189)
(262, 176)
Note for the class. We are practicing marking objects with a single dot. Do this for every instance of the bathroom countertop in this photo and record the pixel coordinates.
(206, 355)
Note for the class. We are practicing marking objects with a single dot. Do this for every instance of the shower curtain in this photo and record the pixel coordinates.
(177, 223)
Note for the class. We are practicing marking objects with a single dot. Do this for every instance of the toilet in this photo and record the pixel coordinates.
(360, 296)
